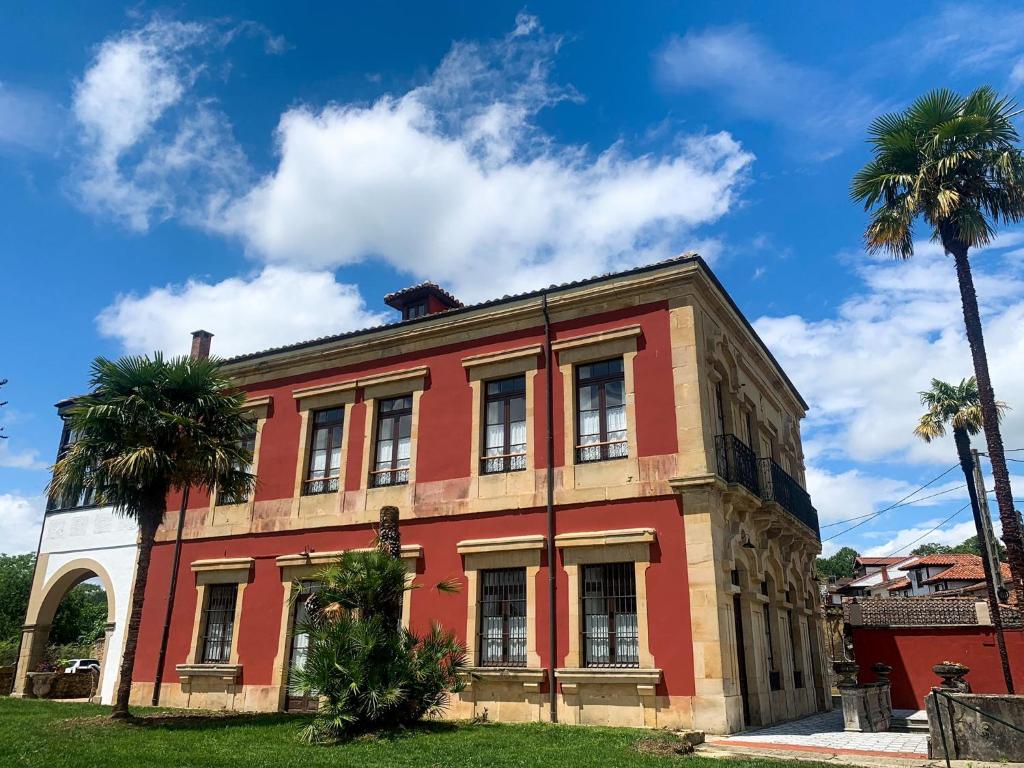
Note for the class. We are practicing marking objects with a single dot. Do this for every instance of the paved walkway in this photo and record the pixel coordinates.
(824, 733)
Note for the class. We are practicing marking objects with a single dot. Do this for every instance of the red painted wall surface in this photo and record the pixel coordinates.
(445, 416)
(260, 624)
(913, 651)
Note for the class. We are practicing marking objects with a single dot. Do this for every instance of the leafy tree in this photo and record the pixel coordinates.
(972, 547)
(959, 406)
(932, 548)
(15, 587)
(146, 427)
(368, 671)
(953, 161)
(840, 565)
(81, 617)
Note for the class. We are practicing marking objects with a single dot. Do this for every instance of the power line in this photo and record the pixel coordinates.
(933, 530)
(906, 504)
(892, 506)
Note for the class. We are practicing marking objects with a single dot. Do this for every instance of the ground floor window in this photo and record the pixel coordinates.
(220, 623)
(609, 627)
(304, 603)
(503, 617)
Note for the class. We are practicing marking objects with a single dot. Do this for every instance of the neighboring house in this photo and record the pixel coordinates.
(877, 577)
(948, 573)
(685, 541)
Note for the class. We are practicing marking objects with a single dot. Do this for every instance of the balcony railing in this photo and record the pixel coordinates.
(777, 485)
(736, 462)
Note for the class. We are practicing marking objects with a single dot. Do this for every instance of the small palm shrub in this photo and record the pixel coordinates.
(368, 671)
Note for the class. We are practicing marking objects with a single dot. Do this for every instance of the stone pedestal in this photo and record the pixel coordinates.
(866, 708)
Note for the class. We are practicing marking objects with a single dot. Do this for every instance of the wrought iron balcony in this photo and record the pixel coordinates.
(777, 485)
(736, 462)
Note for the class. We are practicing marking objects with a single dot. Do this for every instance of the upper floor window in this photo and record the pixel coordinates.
(601, 411)
(88, 496)
(503, 617)
(610, 632)
(248, 444)
(505, 425)
(416, 309)
(325, 451)
(219, 623)
(394, 442)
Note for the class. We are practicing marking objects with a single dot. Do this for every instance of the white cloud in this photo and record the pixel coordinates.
(862, 369)
(757, 82)
(26, 458)
(280, 305)
(844, 495)
(902, 542)
(20, 518)
(452, 180)
(141, 158)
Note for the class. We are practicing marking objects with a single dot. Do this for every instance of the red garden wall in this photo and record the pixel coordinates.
(913, 651)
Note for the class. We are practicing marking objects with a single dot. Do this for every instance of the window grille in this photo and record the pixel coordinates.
(502, 631)
(219, 623)
(601, 411)
(505, 426)
(609, 626)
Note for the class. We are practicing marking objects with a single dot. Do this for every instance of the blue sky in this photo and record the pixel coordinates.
(270, 171)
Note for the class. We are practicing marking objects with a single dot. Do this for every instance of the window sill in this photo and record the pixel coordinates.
(526, 675)
(229, 672)
(645, 680)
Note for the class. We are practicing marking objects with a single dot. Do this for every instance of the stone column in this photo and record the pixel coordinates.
(33, 646)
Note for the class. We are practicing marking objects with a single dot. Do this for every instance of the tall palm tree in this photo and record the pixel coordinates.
(959, 406)
(146, 427)
(953, 161)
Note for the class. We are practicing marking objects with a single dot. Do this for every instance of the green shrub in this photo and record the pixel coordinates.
(368, 671)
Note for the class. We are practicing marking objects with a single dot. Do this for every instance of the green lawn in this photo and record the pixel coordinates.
(54, 735)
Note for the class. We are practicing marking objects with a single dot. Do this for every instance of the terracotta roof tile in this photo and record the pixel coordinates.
(941, 560)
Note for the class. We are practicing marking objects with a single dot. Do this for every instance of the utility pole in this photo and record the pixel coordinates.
(988, 537)
(969, 464)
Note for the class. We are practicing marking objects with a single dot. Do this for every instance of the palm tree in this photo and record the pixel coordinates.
(955, 162)
(959, 406)
(146, 427)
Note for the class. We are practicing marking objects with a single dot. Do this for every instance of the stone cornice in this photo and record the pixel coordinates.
(507, 544)
(605, 538)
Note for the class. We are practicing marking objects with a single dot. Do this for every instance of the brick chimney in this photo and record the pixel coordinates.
(201, 344)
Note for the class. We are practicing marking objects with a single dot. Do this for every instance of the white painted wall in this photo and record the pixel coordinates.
(111, 540)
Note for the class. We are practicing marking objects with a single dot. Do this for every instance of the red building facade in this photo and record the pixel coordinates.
(683, 540)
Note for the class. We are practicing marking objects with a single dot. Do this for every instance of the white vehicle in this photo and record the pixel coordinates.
(82, 665)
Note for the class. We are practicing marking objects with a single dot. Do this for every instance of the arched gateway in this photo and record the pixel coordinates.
(76, 545)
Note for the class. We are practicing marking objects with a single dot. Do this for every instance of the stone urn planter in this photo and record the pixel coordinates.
(952, 674)
(846, 671)
(41, 683)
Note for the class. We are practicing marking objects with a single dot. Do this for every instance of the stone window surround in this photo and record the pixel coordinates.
(596, 547)
(411, 381)
(343, 394)
(590, 348)
(508, 552)
(259, 406)
(228, 570)
(521, 361)
(302, 565)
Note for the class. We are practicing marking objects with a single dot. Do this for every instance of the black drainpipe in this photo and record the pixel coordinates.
(549, 398)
